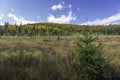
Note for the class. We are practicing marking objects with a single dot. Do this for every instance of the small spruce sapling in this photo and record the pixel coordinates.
(89, 62)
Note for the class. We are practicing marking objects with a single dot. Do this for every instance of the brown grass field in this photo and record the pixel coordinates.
(62, 45)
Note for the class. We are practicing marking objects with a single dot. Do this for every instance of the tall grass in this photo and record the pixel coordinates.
(31, 58)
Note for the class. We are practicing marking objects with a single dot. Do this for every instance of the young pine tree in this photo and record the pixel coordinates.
(89, 62)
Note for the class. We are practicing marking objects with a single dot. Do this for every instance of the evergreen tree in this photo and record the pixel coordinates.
(89, 61)
(6, 28)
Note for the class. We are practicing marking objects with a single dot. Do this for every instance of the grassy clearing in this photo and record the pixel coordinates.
(50, 58)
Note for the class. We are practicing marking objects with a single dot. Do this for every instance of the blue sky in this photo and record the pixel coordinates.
(93, 12)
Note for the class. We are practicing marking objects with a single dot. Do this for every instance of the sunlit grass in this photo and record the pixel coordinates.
(53, 54)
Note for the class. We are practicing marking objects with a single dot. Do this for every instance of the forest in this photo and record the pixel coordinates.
(52, 29)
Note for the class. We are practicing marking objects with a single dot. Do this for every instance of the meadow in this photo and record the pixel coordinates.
(52, 57)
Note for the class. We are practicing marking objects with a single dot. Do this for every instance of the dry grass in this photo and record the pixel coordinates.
(62, 46)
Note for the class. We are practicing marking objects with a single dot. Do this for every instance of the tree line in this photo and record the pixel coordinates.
(54, 29)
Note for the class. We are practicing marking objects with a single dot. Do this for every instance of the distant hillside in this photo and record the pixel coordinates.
(55, 29)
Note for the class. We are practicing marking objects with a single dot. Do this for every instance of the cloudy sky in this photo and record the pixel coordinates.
(93, 12)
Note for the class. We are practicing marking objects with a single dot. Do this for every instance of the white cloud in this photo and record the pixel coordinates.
(78, 9)
(55, 7)
(105, 21)
(38, 16)
(70, 6)
(19, 20)
(116, 22)
(62, 19)
(63, 2)
(1, 16)
(13, 10)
